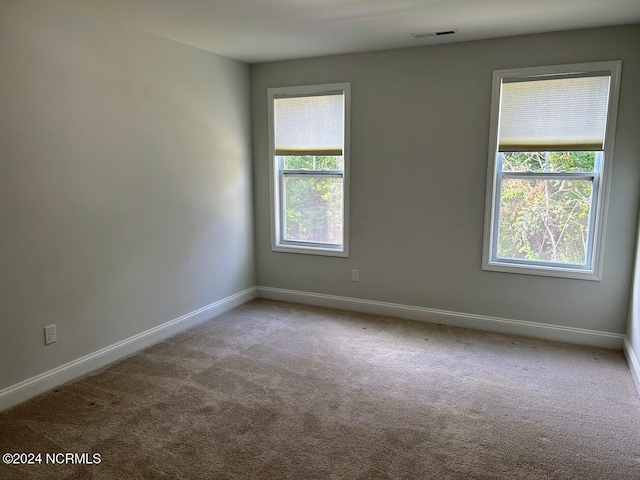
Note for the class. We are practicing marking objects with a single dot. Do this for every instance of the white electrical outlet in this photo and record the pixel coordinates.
(50, 335)
(355, 275)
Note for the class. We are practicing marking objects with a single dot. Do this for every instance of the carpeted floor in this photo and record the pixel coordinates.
(277, 390)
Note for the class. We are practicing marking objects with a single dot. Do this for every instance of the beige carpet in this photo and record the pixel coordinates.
(277, 390)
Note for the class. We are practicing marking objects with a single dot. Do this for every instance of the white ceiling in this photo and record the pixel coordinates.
(264, 30)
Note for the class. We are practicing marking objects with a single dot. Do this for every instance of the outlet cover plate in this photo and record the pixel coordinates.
(50, 335)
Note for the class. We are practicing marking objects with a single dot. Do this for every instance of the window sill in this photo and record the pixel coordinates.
(304, 250)
(542, 270)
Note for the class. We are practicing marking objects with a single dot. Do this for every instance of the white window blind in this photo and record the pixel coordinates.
(554, 114)
(309, 125)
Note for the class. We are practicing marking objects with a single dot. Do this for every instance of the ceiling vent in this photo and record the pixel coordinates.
(439, 33)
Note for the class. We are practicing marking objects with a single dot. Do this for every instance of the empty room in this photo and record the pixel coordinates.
(348, 239)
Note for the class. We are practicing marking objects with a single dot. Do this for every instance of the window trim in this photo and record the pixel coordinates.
(275, 187)
(601, 179)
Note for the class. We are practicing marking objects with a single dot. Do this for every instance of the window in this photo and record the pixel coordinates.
(309, 154)
(550, 152)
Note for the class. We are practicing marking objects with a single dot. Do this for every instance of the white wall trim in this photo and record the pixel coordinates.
(632, 360)
(467, 320)
(33, 386)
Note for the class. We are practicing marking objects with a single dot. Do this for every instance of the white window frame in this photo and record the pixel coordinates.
(601, 179)
(278, 244)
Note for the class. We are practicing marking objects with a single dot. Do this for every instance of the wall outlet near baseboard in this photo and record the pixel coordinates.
(50, 335)
(355, 275)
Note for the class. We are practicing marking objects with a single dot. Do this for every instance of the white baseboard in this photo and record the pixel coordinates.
(31, 387)
(632, 360)
(468, 320)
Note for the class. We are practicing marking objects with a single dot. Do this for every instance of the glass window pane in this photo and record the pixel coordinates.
(309, 162)
(313, 209)
(544, 220)
(573, 162)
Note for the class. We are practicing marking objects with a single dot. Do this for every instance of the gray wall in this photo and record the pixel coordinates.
(633, 329)
(125, 183)
(420, 128)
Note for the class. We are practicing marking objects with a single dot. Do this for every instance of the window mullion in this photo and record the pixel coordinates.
(549, 175)
(591, 232)
(283, 205)
(313, 173)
